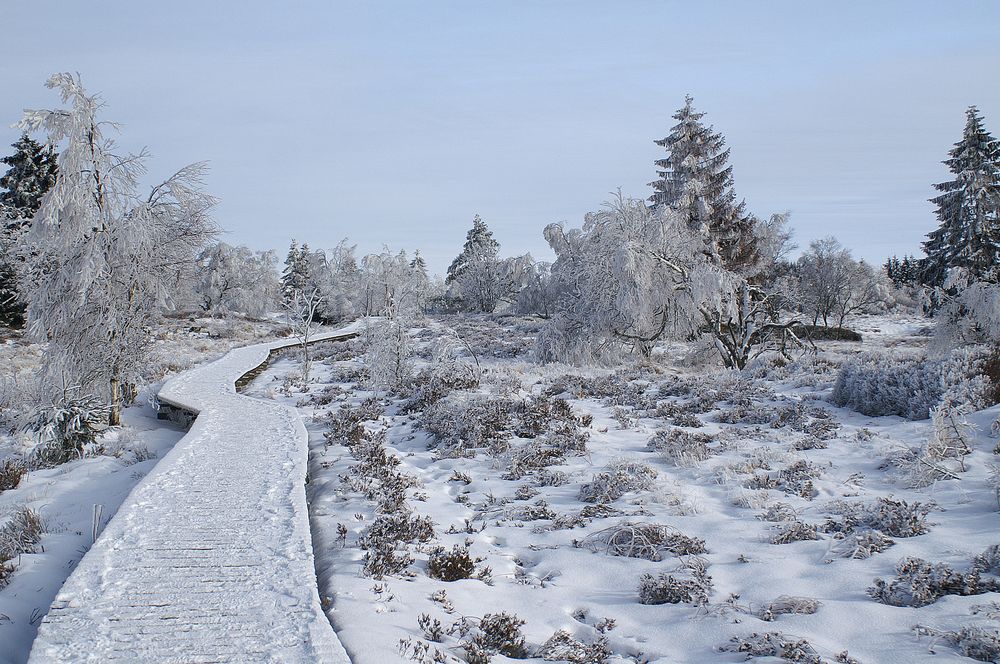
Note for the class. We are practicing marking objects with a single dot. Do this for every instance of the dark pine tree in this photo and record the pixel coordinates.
(968, 209)
(697, 180)
(32, 172)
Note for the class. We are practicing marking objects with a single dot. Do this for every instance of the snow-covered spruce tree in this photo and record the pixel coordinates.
(295, 276)
(237, 280)
(104, 259)
(968, 209)
(32, 172)
(696, 180)
(475, 274)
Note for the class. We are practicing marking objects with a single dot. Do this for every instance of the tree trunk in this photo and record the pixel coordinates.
(115, 414)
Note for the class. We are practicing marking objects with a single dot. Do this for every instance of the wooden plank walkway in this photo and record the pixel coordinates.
(210, 557)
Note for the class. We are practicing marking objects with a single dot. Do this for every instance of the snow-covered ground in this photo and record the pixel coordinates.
(750, 501)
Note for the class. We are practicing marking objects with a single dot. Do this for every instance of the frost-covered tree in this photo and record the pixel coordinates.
(32, 172)
(394, 288)
(295, 276)
(968, 209)
(12, 231)
(834, 286)
(696, 180)
(105, 258)
(629, 277)
(538, 294)
(475, 274)
(237, 280)
(971, 315)
(634, 275)
(478, 242)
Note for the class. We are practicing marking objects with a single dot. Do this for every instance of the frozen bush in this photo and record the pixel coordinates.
(497, 633)
(876, 384)
(18, 535)
(794, 531)
(862, 545)
(642, 540)
(562, 647)
(64, 429)
(681, 448)
(786, 605)
(441, 379)
(952, 433)
(977, 642)
(464, 423)
(774, 644)
(451, 565)
(895, 518)
(919, 583)
(397, 528)
(11, 472)
(622, 477)
(912, 386)
(689, 584)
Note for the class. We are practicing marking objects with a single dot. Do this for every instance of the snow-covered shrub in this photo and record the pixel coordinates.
(875, 384)
(11, 472)
(453, 565)
(649, 541)
(952, 433)
(437, 381)
(794, 531)
(895, 518)
(623, 476)
(497, 633)
(680, 447)
(862, 545)
(562, 647)
(396, 528)
(464, 423)
(690, 420)
(786, 605)
(978, 642)
(919, 583)
(795, 479)
(689, 584)
(786, 648)
(911, 386)
(19, 534)
(64, 429)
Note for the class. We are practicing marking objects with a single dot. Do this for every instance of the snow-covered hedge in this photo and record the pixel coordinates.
(912, 386)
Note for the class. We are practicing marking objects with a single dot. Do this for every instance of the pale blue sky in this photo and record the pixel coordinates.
(396, 122)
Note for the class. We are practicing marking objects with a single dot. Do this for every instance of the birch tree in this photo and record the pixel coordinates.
(104, 258)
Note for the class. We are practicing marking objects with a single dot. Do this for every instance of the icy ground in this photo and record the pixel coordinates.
(210, 557)
(765, 510)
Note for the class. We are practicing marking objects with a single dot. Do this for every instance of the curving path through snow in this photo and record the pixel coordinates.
(210, 557)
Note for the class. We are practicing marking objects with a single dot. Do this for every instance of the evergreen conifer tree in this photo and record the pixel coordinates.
(32, 172)
(696, 179)
(968, 209)
(295, 276)
(479, 245)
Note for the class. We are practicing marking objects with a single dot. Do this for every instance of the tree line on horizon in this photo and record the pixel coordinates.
(88, 262)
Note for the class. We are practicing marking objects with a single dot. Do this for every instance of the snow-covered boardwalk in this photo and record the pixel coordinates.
(210, 558)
